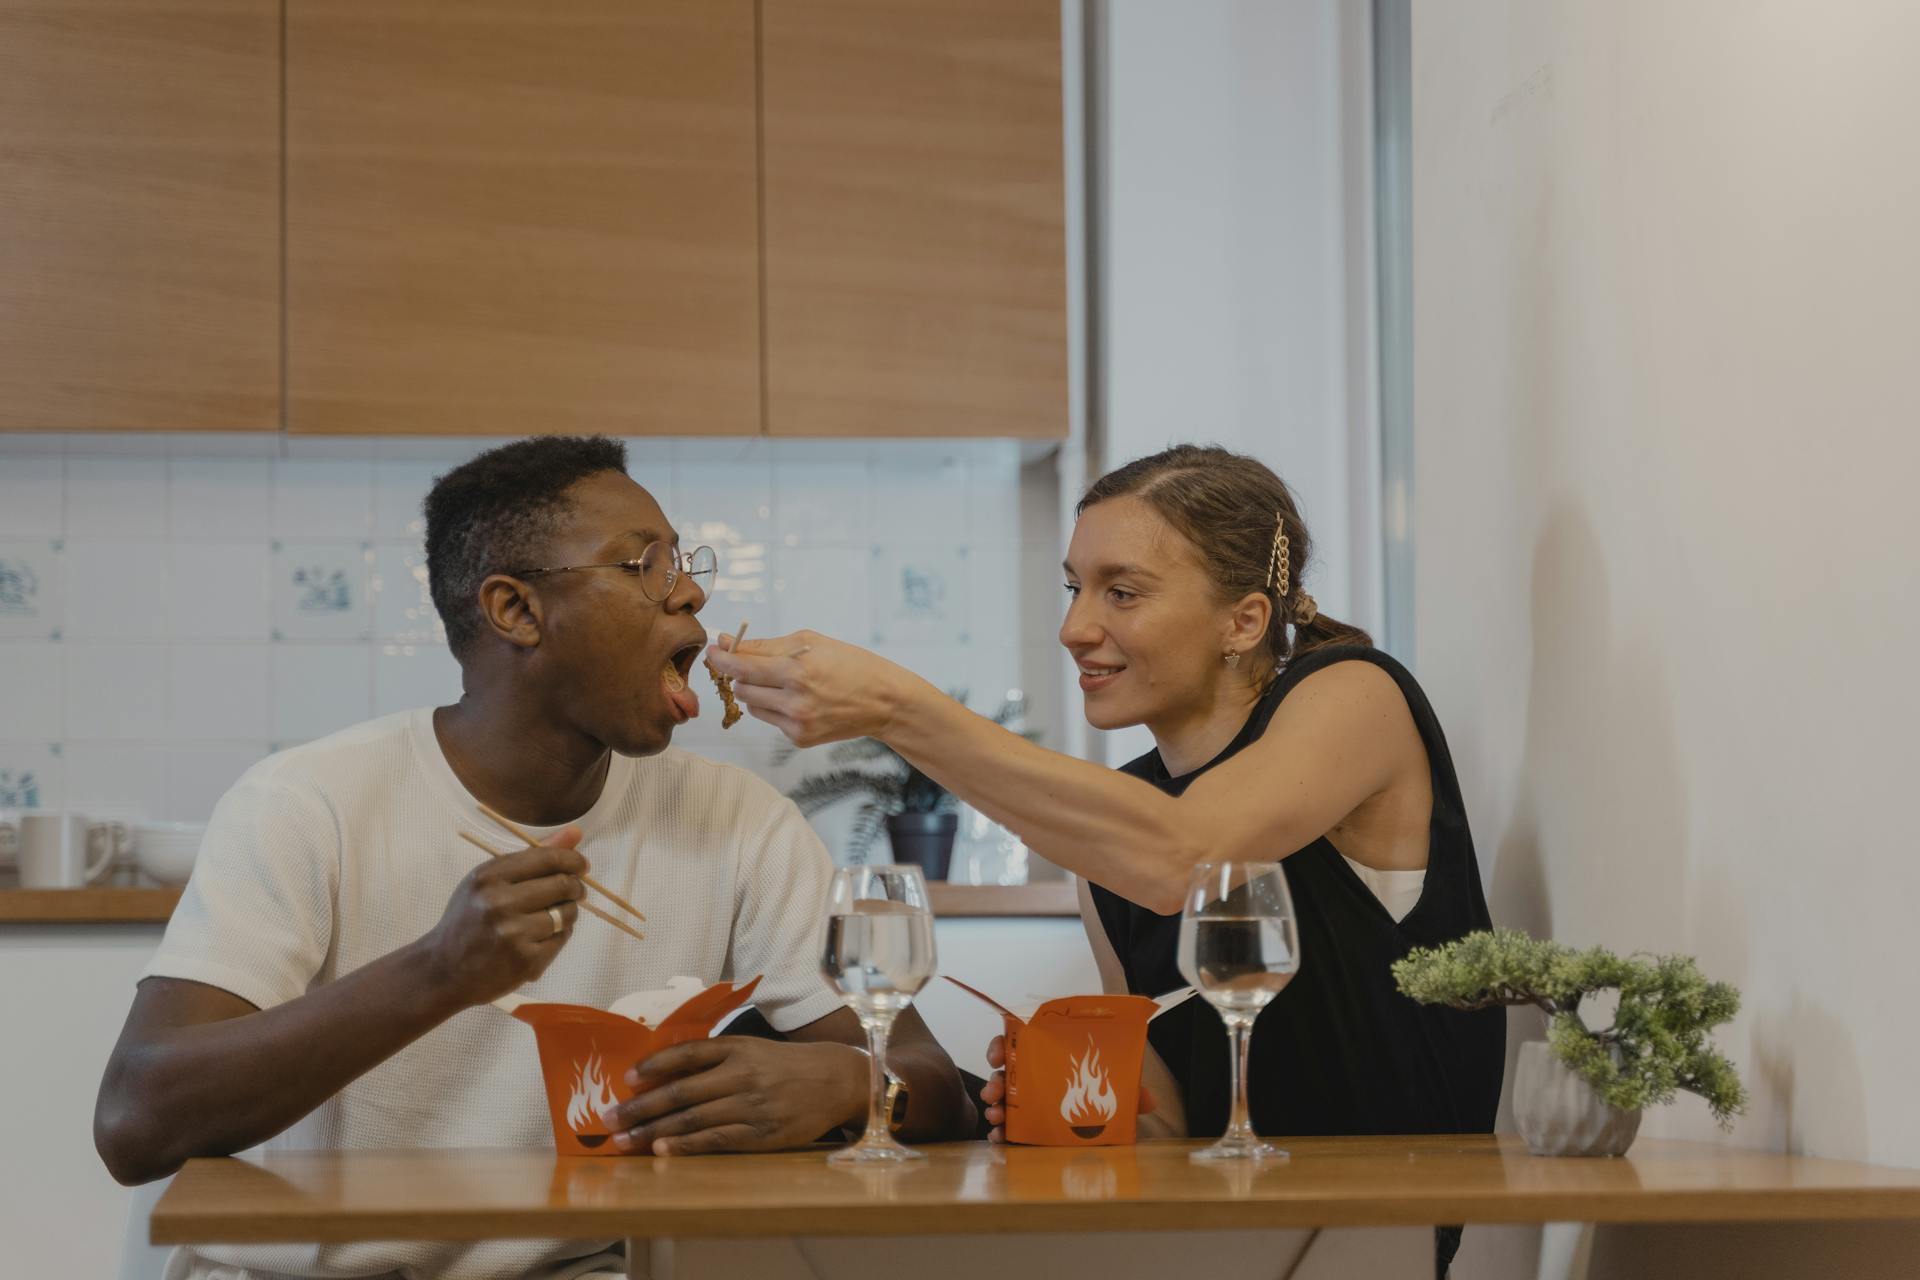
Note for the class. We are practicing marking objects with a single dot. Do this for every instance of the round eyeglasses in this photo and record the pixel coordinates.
(659, 568)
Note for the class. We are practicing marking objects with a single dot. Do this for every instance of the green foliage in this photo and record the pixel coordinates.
(898, 786)
(1657, 1043)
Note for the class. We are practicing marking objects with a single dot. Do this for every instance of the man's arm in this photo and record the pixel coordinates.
(198, 1071)
(742, 1093)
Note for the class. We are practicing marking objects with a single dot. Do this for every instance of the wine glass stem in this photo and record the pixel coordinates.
(879, 1026)
(1241, 1125)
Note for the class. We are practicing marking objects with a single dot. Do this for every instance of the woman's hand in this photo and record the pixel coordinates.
(813, 688)
(994, 1091)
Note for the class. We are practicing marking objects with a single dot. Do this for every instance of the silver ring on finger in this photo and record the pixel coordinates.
(559, 921)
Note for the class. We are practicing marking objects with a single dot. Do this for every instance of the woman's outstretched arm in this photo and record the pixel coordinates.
(1337, 740)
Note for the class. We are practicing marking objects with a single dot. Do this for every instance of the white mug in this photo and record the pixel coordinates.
(65, 851)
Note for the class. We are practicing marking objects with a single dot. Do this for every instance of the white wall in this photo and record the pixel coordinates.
(1665, 270)
(1233, 239)
(64, 992)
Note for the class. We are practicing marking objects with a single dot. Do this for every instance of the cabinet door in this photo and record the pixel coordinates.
(139, 215)
(506, 217)
(915, 239)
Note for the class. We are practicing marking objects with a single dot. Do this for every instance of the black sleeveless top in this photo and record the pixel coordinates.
(1340, 1050)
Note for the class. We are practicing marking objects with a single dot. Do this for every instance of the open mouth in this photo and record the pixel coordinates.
(1096, 676)
(673, 676)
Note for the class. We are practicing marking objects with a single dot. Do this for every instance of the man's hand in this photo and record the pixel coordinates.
(740, 1093)
(994, 1092)
(497, 933)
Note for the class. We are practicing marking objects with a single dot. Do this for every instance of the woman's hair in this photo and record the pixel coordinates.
(1242, 522)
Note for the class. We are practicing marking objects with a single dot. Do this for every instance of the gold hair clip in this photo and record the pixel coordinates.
(1279, 571)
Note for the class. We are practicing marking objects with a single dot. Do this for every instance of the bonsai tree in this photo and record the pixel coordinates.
(1657, 1043)
(897, 786)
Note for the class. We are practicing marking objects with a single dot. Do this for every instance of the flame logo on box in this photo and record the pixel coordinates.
(592, 1094)
(1088, 1103)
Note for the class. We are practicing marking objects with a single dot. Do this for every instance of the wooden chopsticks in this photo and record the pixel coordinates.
(587, 907)
(591, 883)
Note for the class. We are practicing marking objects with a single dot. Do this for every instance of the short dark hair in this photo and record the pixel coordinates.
(492, 513)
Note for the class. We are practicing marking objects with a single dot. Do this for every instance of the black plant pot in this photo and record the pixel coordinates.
(925, 840)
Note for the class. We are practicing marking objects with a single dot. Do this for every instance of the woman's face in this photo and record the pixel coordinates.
(1143, 622)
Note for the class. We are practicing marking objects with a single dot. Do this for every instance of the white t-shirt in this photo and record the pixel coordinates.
(333, 854)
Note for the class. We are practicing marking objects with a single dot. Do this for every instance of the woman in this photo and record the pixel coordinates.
(1280, 733)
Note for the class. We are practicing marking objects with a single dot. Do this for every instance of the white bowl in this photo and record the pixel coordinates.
(166, 850)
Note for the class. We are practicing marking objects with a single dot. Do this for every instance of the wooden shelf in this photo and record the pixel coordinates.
(87, 906)
(1048, 898)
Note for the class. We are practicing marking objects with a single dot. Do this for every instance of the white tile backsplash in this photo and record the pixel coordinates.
(117, 589)
(993, 498)
(219, 590)
(32, 495)
(403, 609)
(31, 775)
(322, 590)
(399, 492)
(32, 690)
(116, 692)
(826, 589)
(406, 676)
(922, 500)
(116, 496)
(995, 602)
(198, 774)
(920, 593)
(220, 497)
(322, 497)
(173, 607)
(318, 688)
(723, 505)
(32, 589)
(126, 778)
(217, 692)
(818, 503)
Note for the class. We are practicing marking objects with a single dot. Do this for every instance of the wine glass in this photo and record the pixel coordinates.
(878, 953)
(1239, 946)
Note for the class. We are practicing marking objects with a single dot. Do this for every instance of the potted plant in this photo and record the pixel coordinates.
(1581, 1091)
(920, 816)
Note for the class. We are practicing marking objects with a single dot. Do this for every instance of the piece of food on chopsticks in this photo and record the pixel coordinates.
(725, 685)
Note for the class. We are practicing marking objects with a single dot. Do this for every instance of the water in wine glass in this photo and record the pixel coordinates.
(1239, 962)
(878, 955)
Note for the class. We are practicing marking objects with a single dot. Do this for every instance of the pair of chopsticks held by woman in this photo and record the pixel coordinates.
(325, 979)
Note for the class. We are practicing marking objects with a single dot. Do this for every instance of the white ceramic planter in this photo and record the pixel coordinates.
(1560, 1114)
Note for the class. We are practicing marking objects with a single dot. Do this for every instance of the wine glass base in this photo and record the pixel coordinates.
(1241, 1149)
(867, 1152)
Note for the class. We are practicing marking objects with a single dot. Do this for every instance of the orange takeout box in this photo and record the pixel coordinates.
(585, 1054)
(1073, 1069)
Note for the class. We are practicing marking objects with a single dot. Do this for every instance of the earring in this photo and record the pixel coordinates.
(1232, 658)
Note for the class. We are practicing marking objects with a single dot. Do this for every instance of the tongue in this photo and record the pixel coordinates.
(685, 700)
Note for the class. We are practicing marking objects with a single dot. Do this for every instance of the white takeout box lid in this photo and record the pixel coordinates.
(648, 1008)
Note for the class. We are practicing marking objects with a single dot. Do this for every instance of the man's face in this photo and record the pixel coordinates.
(606, 648)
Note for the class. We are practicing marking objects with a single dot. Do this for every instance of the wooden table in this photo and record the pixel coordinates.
(969, 1188)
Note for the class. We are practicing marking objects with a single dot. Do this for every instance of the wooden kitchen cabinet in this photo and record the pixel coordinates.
(508, 218)
(914, 218)
(139, 215)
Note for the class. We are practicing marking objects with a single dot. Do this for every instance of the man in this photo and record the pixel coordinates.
(325, 980)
